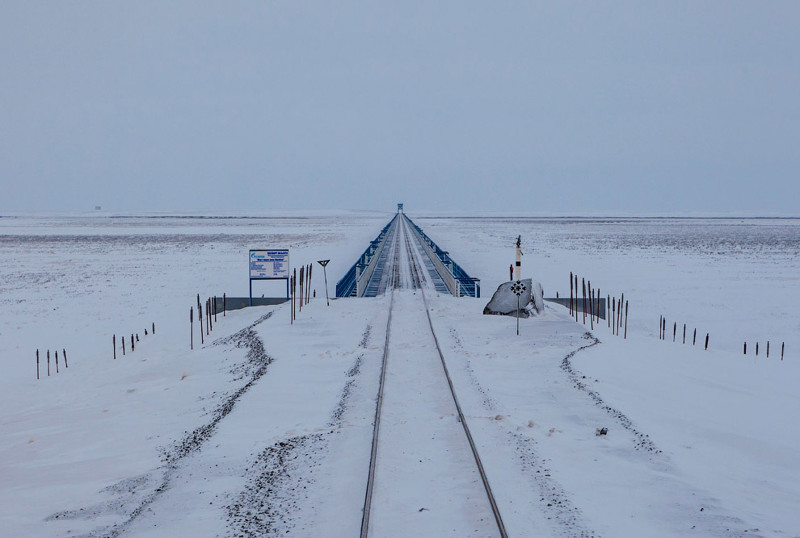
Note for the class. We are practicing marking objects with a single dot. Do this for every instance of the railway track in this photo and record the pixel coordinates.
(423, 456)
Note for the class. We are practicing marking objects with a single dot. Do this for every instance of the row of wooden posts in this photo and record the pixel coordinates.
(589, 303)
(305, 293)
(783, 348)
(213, 305)
(662, 335)
(662, 332)
(133, 340)
(585, 299)
(63, 354)
(297, 298)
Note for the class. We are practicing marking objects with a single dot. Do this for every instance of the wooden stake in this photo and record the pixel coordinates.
(576, 298)
(660, 319)
(745, 348)
(56, 361)
(191, 328)
(583, 283)
(133, 344)
(598, 305)
(614, 315)
(782, 346)
(706, 341)
(570, 293)
(756, 349)
(48, 363)
(694, 336)
(64, 352)
(674, 330)
(114, 343)
(224, 297)
(200, 319)
(215, 309)
(767, 348)
(591, 304)
(37, 364)
(154, 327)
(123, 346)
(684, 333)
(625, 336)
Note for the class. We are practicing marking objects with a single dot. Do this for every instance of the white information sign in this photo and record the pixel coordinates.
(269, 263)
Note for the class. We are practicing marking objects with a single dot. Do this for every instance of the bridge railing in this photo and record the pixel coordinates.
(360, 271)
(455, 278)
(377, 246)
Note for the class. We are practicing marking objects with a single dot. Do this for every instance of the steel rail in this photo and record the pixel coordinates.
(484, 478)
(416, 279)
(379, 405)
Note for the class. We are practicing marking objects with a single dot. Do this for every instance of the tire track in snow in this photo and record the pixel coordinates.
(711, 519)
(553, 499)
(554, 502)
(278, 479)
(129, 491)
(281, 475)
(643, 441)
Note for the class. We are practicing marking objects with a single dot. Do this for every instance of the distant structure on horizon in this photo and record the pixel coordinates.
(399, 208)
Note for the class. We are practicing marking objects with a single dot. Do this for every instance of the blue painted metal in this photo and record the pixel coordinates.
(470, 287)
(378, 281)
(346, 287)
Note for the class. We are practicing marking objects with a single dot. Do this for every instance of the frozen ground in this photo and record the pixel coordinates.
(266, 428)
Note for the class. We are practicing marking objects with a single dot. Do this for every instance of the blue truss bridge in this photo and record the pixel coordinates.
(403, 256)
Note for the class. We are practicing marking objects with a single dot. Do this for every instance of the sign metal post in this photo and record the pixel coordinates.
(518, 288)
(324, 263)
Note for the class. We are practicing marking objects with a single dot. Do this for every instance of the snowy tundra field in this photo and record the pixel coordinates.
(264, 429)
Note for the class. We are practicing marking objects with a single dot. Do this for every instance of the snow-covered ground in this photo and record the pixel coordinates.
(266, 428)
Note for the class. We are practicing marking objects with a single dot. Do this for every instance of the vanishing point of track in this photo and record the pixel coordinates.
(417, 282)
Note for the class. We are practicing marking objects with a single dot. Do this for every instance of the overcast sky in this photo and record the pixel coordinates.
(578, 107)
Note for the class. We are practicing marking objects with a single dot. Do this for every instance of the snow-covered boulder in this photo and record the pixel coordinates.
(504, 300)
